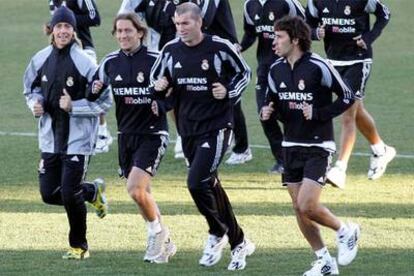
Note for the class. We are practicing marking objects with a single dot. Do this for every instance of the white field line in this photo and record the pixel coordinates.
(32, 134)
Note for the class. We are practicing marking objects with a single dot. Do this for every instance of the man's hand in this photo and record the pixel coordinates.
(161, 84)
(320, 31)
(97, 86)
(360, 42)
(154, 108)
(219, 91)
(65, 101)
(307, 110)
(38, 109)
(266, 111)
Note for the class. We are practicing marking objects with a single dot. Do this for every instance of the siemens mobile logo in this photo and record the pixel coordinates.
(130, 91)
(265, 28)
(339, 21)
(297, 96)
(182, 81)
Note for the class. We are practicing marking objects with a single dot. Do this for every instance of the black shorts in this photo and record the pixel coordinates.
(143, 151)
(302, 162)
(356, 77)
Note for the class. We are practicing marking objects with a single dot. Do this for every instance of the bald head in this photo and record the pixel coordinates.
(191, 8)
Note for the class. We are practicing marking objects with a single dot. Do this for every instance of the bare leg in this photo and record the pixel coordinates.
(348, 132)
(366, 125)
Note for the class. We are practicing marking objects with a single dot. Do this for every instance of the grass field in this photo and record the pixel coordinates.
(33, 235)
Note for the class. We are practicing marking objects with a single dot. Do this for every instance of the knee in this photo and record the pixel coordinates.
(295, 206)
(48, 198)
(138, 194)
(307, 209)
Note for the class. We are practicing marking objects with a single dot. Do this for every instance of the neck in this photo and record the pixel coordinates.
(133, 49)
(197, 40)
(294, 56)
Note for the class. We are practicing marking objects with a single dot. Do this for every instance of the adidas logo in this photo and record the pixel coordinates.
(44, 78)
(149, 169)
(205, 145)
(178, 65)
(118, 78)
(151, 3)
(325, 10)
(321, 180)
(282, 85)
(75, 159)
(256, 17)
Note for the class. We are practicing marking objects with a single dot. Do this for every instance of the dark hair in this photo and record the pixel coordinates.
(296, 28)
(191, 8)
(136, 22)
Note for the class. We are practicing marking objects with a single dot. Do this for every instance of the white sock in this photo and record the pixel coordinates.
(153, 227)
(342, 165)
(323, 253)
(378, 149)
(102, 129)
(342, 230)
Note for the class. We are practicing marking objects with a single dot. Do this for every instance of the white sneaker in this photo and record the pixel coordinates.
(323, 267)
(213, 250)
(337, 177)
(156, 245)
(348, 244)
(103, 142)
(378, 164)
(239, 254)
(239, 158)
(178, 149)
(169, 251)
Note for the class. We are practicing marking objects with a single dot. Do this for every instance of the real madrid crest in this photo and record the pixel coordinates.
(140, 77)
(69, 81)
(301, 85)
(205, 65)
(176, 2)
(347, 10)
(271, 16)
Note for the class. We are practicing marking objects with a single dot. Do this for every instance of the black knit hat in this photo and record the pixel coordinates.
(63, 14)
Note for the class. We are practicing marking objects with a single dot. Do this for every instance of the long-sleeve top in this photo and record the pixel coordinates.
(191, 72)
(344, 20)
(49, 72)
(128, 78)
(313, 81)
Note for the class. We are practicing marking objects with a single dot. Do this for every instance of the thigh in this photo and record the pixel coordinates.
(125, 142)
(318, 162)
(293, 164)
(208, 151)
(73, 172)
(50, 173)
(356, 76)
(149, 152)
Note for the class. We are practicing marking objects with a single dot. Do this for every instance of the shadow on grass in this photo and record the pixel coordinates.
(173, 208)
(274, 261)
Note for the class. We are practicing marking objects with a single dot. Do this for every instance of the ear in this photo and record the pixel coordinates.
(295, 41)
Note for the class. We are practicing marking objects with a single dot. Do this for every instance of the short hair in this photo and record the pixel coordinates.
(296, 28)
(190, 7)
(136, 22)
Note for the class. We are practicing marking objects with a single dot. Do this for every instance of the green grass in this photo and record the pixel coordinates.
(33, 235)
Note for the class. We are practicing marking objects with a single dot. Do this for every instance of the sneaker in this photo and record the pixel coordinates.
(213, 250)
(178, 149)
(75, 253)
(378, 164)
(100, 204)
(103, 142)
(323, 267)
(336, 177)
(239, 254)
(240, 158)
(277, 168)
(156, 245)
(169, 251)
(348, 244)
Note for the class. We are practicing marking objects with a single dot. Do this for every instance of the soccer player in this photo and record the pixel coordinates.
(300, 94)
(192, 65)
(55, 85)
(345, 28)
(259, 19)
(143, 136)
(87, 15)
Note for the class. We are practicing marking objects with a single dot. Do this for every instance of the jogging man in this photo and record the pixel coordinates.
(192, 65)
(345, 28)
(300, 94)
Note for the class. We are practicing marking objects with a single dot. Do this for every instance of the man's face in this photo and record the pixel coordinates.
(127, 35)
(282, 45)
(188, 28)
(63, 34)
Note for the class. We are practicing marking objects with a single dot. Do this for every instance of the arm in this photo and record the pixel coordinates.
(296, 8)
(32, 88)
(382, 15)
(89, 16)
(208, 11)
(249, 36)
(160, 77)
(313, 20)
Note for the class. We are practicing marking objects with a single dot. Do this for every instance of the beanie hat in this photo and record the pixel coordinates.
(63, 14)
